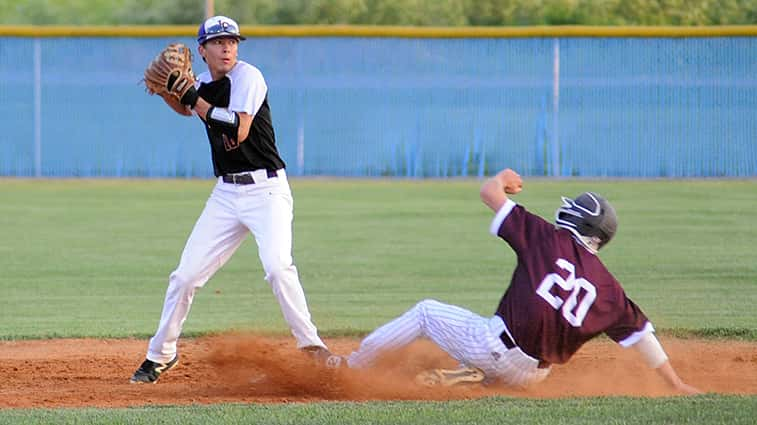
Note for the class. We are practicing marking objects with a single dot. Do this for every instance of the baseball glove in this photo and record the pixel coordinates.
(170, 72)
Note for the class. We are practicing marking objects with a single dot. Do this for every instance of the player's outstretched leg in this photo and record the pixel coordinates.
(394, 335)
(215, 237)
(287, 288)
(454, 329)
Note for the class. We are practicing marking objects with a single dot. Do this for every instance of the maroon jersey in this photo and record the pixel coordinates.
(560, 295)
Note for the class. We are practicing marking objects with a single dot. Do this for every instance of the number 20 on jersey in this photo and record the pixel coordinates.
(573, 309)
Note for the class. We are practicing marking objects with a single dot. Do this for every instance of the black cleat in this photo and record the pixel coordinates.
(149, 371)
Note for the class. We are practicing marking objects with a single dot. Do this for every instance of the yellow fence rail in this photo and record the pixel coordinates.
(386, 31)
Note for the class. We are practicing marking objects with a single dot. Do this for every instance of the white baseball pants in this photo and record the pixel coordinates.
(232, 211)
(467, 337)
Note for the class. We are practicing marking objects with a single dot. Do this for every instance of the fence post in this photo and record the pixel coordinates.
(556, 108)
(37, 108)
(301, 145)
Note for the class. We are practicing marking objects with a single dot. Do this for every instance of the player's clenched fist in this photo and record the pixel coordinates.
(510, 181)
(494, 190)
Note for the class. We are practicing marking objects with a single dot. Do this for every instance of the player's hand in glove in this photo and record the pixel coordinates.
(170, 75)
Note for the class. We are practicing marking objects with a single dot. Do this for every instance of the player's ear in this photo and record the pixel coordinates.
(201, 51)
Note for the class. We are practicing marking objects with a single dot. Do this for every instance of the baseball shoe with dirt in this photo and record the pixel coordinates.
(149, 371)
(317, 353)
(323, 356)
(450, 377)
(336, 362)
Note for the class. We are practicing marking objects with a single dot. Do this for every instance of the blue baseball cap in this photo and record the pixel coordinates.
(218, 26)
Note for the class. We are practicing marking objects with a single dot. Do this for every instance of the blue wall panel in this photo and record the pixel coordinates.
(627, 107)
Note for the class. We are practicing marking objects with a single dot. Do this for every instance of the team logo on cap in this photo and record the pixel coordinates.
(218, 26)
(225, 26)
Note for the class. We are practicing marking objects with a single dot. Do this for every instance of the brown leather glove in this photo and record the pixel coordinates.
(171, 73)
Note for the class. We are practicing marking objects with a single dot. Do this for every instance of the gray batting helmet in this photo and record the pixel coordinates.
(588, 216)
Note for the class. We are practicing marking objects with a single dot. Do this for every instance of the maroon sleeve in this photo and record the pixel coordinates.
(630, 325)
(520, 227)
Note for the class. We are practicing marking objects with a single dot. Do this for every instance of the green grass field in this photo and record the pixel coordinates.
(91, 258)
(599, 411)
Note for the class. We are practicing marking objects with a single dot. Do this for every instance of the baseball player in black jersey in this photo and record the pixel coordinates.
(560, 296)
(252, 194)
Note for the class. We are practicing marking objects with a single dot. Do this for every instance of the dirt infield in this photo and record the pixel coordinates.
(245, 368)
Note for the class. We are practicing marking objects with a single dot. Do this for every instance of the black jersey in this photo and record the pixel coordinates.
(243, 89)
(560, 295)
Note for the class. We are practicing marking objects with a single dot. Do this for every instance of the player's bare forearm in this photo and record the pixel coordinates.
(494, 191)
(174, 103)
(671, 377)
(201, 107)
(655, 357)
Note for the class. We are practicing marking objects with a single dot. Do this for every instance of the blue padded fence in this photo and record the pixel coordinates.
(414, 107)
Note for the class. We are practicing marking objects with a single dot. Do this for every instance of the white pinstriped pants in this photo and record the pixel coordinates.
(231, 213)
(471, 339)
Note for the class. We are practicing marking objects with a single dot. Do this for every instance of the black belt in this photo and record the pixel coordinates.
(510, 344)
(245, 178)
